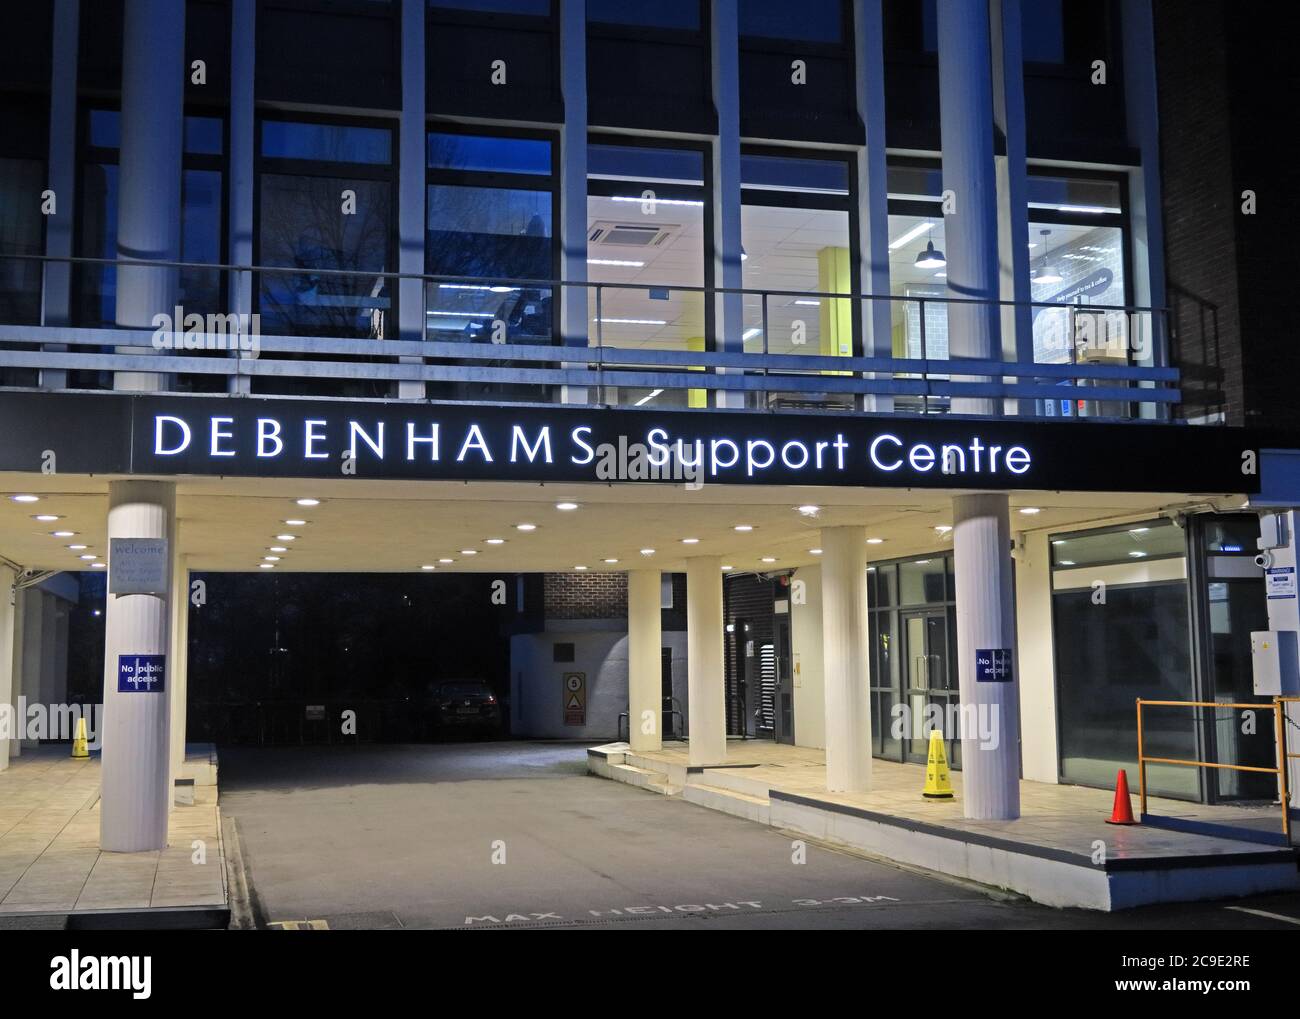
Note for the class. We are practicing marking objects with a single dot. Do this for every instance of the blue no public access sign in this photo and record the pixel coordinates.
(141, 673)
(993, 665)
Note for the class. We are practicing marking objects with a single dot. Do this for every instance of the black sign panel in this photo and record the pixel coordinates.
(323, 439)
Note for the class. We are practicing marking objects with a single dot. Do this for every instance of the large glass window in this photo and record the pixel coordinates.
(536, 8)
(490, 219)
(800, 248)
(810, 21)
(646, 239)
(1133, 642)
(678, 14)
(21, 233)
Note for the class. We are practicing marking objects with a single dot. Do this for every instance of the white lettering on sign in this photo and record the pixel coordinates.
(721, 457)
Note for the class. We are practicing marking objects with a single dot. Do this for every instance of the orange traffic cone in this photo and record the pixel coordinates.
(1123, 810)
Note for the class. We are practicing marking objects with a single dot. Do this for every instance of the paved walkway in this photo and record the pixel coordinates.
(1068, 818)
(50, 861)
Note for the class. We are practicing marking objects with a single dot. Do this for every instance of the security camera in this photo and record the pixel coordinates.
(1264, 560)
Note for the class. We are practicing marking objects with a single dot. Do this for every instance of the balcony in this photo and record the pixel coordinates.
(334, 333)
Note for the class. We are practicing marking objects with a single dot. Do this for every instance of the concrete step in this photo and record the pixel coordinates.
(752, 808)
(737, 780)
(643, 778)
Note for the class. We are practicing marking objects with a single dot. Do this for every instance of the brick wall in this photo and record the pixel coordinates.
(604, 596)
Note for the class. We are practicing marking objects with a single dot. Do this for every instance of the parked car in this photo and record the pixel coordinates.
(463, 705)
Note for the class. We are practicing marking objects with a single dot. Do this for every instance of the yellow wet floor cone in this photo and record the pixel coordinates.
(79, 748)
(937, 786)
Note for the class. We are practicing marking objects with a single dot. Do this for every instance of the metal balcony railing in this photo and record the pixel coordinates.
(335, 332)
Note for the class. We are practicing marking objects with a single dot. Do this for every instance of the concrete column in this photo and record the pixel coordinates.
(644, 643)
(135, 757)
(705, 703)
(412, 175)
(1036, 659)
(243, 145)
(729, 311)
(990, 746)
(29, 678)
(845, 647)
(873, 189)
(1013, 187)
(575, 302)
(971, 232)
(18, 600)
(56, 294)
(1147, 240)
(8, 638)
(177, 659)
(149, 173)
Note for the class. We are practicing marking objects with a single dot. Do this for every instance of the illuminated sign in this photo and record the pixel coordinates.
(251, 437)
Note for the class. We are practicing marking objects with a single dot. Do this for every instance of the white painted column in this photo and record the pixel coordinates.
(971, 232)
(149, 169)
(644, 643)
(1036, 659)
(8, 638)
(845, 648)
(705, 703)
(61, 179)
(986, 621)
(135, 759)
(413, 175)
(575, 302)
(873, 190)
(728, 273)
(243, 145)
(16, 666)
(177, 639)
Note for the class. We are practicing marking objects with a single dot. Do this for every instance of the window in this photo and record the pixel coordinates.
(675, 14)
(536, 8)
(820, 21)
(916, 266)
(490, 218)
(798, 224)
(21, 233)
(1057, 32)
(1077, 229)
(647, 237)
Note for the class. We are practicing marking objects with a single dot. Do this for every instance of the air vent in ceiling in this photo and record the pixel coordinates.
(630, 235)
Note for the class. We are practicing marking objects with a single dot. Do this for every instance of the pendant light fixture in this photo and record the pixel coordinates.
(1046, 274)
(930, 258)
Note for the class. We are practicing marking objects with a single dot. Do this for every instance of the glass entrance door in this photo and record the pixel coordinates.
(930, 683)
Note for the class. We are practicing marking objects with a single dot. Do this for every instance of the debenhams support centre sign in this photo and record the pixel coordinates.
(154, 435)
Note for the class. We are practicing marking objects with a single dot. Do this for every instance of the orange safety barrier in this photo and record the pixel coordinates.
(1279, 771)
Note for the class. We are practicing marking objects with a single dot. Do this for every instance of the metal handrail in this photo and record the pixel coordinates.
(1283, 755)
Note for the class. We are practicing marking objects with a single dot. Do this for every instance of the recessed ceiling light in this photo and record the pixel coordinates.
(25, 498)
(814, 551)
(77, 548)
(90, 555)
(525, 527)
(769, 559)
(271, 558)
(611, 561)
(496, 541)
(296, 523)
(727, 568)
(277, 548)
(98, 566)
(875, 541)
(46, 518)
(1030, 510)
(744, 527)
(286, 537)
(809, 511)
(580, 567)
(63, 534)
(943, 528)
(690, 541)
(307, 502)
(647, 551)
(267, 566)
(566, 506)
(428, 567)
(469, 551)
(446, 560)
